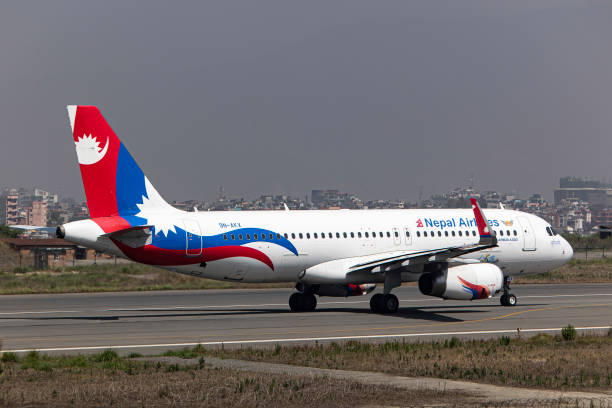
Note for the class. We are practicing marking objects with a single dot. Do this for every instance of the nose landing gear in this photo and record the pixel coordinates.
(507, 298)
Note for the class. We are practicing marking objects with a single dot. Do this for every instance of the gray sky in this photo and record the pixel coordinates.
(371, 97)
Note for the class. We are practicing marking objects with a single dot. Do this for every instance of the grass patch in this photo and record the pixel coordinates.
(137, 277)
(92, 381)
(107, 278)
(576, 271)
(541, 361)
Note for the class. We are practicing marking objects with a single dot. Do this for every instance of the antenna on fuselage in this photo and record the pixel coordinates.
(285, 205)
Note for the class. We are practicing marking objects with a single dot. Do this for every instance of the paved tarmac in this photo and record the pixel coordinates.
(151, 322)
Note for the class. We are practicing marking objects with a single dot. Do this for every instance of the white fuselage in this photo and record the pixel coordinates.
(525, 245)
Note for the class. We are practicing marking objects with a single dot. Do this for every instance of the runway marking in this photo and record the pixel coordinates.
(301, 340)
(41, 312)
(148, 309)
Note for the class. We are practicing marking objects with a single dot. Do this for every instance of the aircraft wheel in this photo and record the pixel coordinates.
(376, 303)
(296, 301)
(391, 303)
(511, 300)
(310, 302)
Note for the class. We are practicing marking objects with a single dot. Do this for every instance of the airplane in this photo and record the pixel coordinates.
(461, 254)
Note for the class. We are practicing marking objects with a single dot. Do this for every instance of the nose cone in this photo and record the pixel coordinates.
(567, 251)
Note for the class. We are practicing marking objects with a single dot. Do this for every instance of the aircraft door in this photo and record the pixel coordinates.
(529, 239)
(193, 237)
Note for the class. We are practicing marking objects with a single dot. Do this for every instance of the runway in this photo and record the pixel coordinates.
(151, 322)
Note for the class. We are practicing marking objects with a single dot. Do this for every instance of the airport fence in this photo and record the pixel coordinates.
(588, 252)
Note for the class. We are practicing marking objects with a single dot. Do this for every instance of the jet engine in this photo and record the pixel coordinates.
(343, 290)
(464, 282)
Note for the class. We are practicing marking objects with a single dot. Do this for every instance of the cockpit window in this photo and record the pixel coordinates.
(549, 231)
(553, 231)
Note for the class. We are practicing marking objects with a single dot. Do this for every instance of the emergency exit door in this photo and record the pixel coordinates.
(193, 238)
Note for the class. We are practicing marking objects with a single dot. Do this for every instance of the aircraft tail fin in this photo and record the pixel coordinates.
(114, 184)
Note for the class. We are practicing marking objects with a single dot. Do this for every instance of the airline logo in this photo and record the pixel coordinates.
(477, 291)
(456, 222)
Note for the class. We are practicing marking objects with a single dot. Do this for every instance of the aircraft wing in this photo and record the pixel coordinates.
(389, 262)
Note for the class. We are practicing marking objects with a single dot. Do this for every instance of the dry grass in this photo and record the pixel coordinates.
(576, 271)
(137, 277)
(542, 361)
(109, 278)
(106, 379)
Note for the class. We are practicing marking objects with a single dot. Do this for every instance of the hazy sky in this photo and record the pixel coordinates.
(371, 97)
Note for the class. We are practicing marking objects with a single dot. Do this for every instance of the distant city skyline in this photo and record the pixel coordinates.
(382, 99)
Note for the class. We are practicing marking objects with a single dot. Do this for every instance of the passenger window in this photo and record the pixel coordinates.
(474, 233)
(501, 233)
(418, 233)
(277, 235)
(432, 233)
(233, 237)
(286, 235)
(446, 233)
(308, 235)
(459, 232)
(255, 237)
(248, 237)
(508, 232)
(388, 234)
(424, 233)
(366, 234)
(338, 235)
(396, 234)
(359, 234)
(407, 234)
(344, 235)
(315, 235)
(301, 236)
(439, 233)
(225, 237)
(515, 233)
(352, 235)
(240, 237)
(330, 235)
(322, 235)
(380, 234)
(293, 235)
(453, 233)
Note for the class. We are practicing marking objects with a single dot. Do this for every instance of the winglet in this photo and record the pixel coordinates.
(484, 228)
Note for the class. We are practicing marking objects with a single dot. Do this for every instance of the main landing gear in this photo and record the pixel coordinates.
(387, 302)
(304, 300)
(507, 298)
(384, 304)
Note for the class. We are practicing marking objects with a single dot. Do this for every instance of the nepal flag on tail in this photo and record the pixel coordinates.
(114, 184)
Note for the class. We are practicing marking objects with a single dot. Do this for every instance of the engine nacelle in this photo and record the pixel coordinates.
(343, 290)
(464, 282)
